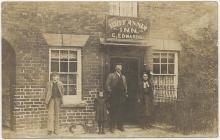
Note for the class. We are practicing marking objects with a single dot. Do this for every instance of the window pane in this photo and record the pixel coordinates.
(63, 55)
(171, 68)
(54, 53)
(72, 55)
(163, 55)
(156, 60)
(72, 79)
(156, 68)
(63, 66)
(65, 62)
(127, 9)
(114, 9)
(65, 89)
(55, 59)
(134, 5)
(122, 9)
(73, 67)
(156, 55)
(163, 68)
(54, 66)
(163, 60)
(72, 90)
(171, 58)
(63, 78)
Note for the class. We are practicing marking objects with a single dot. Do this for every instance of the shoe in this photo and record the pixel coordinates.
(111, 130)
(49, 133)
(147, 126)
(150, 125)
(121, 129)
(99, 132)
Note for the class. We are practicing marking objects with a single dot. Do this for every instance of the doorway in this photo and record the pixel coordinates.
(131, 69)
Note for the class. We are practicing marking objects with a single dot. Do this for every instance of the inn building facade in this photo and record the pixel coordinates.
(82, 42)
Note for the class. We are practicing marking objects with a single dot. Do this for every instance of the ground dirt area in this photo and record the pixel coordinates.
(157, 130)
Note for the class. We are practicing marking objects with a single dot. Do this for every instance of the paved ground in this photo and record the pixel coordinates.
(130, 132)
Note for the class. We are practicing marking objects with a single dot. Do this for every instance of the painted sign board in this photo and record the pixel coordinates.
(126, 28)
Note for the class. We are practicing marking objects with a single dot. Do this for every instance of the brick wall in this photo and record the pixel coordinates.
(91, 84)
(23, 24)
(148, 58)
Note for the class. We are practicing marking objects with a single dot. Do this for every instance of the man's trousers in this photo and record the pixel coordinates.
(53, 114)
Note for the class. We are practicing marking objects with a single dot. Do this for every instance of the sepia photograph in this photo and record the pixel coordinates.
(109, 69)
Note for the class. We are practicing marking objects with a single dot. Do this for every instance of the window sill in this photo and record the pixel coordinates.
(73, 101)
(75, 105)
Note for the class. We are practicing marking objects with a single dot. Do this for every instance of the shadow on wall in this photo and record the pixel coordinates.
(8, 83)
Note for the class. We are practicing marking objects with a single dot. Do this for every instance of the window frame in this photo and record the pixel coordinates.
(70, 99)
(175, 62)
(119, 8)
(175, 75)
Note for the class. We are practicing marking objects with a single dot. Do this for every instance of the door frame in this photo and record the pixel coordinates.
(109, 55)
(127, 57)
(131, 103)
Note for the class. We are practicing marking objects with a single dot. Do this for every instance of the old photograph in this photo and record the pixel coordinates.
(109, 69)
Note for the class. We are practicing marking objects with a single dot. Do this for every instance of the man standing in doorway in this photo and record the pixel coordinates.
(54, 93)
(117, 90)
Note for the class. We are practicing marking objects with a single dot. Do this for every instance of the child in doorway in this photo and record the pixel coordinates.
(101, 111)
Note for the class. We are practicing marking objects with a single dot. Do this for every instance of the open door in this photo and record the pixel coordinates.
(131, 71)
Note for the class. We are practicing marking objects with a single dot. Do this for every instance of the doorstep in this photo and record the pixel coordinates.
(131, 126)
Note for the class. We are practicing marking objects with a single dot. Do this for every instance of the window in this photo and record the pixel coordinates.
(67, 62)
(165, 76)
(127, 8)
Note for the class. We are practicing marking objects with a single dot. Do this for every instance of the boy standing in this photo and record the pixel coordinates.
(101, 111)
(54, 93)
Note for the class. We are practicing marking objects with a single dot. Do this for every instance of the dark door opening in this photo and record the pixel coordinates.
(131, 71)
